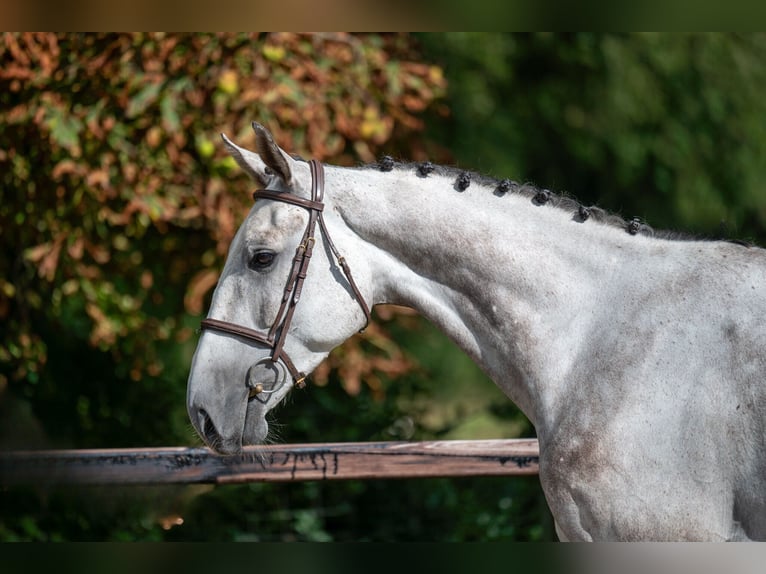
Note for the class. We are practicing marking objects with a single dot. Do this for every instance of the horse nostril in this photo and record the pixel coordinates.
(209, 433)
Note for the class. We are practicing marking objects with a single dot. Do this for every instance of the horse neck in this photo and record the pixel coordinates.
(509, 281)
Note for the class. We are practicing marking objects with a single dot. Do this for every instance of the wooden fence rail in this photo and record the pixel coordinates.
(297, 462)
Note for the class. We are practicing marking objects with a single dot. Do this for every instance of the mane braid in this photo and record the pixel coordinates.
(539, 196)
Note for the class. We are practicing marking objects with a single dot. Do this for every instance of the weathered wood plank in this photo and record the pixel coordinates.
(297, 462)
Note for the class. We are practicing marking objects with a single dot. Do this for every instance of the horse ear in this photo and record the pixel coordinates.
(272, 155)
(269, 160)
(248, 161)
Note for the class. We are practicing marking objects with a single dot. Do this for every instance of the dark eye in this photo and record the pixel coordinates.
(262, 260)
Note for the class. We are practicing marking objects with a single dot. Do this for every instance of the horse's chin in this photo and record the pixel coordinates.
(256, 428)
(255, 435)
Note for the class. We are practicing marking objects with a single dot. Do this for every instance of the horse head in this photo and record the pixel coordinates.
(257, 342)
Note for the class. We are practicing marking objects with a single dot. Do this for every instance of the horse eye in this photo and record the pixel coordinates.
(262, 260)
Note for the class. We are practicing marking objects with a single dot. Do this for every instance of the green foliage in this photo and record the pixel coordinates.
(667, 127)
(118, 204)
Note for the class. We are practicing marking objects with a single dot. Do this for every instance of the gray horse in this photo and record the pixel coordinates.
(639, 358)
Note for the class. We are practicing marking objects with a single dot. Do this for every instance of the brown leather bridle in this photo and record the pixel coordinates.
(275, 337)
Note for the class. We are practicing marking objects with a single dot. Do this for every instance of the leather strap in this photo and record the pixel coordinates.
(238, 330)
(347, 272)
(286, 197)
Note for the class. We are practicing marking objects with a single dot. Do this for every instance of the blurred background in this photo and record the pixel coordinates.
(118, 204)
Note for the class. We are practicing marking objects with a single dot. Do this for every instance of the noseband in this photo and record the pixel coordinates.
(275, 337)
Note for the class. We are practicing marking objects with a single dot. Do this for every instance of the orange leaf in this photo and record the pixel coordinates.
(34, 254)
(49, 263)
(200, 284)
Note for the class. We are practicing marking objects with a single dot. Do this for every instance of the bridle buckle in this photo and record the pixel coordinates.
(305, 245)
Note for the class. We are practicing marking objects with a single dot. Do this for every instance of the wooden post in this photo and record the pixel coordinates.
(298, 462)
